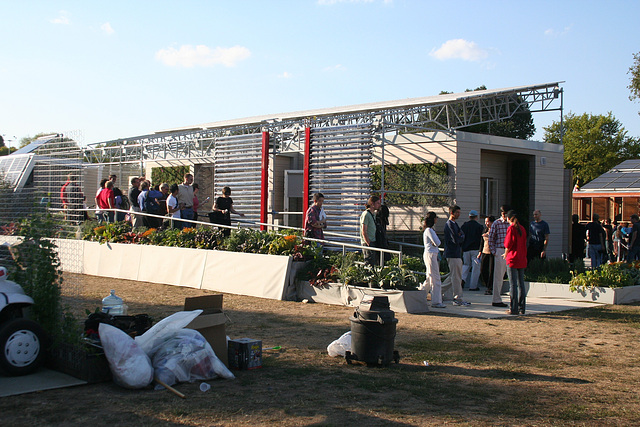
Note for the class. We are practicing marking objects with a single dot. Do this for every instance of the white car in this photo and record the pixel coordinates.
(22, 348)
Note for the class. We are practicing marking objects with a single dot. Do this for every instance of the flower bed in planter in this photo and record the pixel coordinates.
(259, 275)
(414, 301)
(604, 295)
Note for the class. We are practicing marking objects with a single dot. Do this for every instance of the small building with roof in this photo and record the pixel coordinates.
(614, 194)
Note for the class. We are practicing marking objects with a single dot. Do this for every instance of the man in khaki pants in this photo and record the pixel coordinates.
(496, 245)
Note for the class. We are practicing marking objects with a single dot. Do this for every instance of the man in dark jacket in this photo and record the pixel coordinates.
(453, 239)
(470, 249)
(134, 192)
(596, 239)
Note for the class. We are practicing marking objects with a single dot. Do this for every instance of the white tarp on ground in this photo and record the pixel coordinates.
(351, 296)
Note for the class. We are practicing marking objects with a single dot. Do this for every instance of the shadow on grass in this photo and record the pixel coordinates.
(506, 374)
(627, 313)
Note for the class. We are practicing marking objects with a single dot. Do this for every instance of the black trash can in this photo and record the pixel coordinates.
(373, 333)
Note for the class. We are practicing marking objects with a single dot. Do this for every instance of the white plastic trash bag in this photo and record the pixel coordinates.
(186, 356)
(165, 328)
(130, 366)
(340, 346)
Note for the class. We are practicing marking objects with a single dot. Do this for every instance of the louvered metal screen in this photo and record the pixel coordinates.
(340, 168)
(237, 164)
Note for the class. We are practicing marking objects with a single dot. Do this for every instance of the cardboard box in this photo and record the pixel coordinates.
(245, 353)
(210, 323)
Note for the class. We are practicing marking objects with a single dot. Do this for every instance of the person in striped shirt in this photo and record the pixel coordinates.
(497, 235)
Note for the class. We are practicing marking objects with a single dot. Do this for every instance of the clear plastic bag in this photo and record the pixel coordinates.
(340, 346)
(165, 328)
(130, 366)
(186, 356)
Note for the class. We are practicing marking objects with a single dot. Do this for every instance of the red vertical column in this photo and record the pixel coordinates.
(264, 186)
(307, 157)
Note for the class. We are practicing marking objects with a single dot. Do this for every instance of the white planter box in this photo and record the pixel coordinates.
(351, 296)
(624, 295)
(256, 275)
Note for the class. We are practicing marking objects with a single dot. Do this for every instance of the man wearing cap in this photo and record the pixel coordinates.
(470, 248)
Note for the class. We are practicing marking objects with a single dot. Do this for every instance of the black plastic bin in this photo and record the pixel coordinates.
(373, 333)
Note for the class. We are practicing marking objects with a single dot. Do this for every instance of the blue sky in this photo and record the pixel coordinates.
(107, 70)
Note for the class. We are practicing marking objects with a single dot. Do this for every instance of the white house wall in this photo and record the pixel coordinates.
(473, 156)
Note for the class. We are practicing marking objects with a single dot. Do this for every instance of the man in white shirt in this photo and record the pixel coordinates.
(185, 199)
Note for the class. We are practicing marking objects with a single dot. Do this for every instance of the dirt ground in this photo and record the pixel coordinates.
(579, 367)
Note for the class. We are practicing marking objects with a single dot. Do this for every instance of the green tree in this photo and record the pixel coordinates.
(7, 150)
(634, 86)
(593, 144)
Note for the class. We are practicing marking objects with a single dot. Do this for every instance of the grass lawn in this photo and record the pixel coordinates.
(577, 367)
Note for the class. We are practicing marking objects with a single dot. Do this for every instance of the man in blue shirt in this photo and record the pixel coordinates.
(538, 237)
(453, 240)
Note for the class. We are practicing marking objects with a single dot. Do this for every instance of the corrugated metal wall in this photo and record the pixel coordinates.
(340, 168)
(237, 164)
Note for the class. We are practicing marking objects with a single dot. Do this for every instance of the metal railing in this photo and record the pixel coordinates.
(254, 224)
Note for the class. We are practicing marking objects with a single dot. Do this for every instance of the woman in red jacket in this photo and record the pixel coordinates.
(515, 253)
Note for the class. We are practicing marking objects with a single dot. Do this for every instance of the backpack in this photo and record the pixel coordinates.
(151, 205)
(124, 200)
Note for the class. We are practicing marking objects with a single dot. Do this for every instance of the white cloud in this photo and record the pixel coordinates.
(285, 75)
(459, 49)
(62, 19)
(551, 32)
(106, 27)
(337, 67)
(189, 56)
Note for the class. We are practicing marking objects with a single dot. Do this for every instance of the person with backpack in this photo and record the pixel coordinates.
(368, 230)
(120, 200)
(149, 204)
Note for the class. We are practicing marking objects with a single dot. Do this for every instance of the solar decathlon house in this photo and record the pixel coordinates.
(274, 163)
(43, 166)
(614, 194)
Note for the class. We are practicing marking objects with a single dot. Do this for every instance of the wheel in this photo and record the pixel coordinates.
(347, 357)
(22, 347)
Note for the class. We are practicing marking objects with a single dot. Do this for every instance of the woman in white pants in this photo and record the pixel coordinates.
(431, 243)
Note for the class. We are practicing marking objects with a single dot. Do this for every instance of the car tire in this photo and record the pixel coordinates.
(22, 347)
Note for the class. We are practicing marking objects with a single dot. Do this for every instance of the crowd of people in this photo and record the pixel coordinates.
(168, 205)
(605, 241)
(476, 254)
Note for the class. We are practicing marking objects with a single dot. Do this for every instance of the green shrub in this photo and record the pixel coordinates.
(615, 275)
(38, 272)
